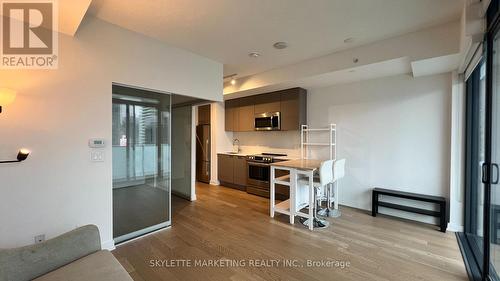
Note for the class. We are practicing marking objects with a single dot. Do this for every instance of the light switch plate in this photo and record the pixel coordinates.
(97, 156)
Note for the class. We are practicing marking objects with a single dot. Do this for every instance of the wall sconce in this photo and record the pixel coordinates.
(21, 156)
(7, 96)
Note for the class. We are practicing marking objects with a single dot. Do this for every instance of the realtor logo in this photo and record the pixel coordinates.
(29, 34)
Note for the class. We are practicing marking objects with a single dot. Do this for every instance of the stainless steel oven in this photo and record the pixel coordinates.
(258, 174)
(269, 121)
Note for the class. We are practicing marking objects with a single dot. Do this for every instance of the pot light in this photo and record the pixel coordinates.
(233, 81)
(280, 45)
(254, 55)
(7, 96)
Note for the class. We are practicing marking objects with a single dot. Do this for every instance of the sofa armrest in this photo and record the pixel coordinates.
(29, 262)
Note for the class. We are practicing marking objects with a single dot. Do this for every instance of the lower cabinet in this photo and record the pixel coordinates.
(225, 168)
(232, 171)
(240, 170)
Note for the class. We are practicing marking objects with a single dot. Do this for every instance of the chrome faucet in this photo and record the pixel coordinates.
(234, 143)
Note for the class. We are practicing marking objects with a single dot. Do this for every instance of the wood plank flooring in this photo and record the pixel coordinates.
(229, 224)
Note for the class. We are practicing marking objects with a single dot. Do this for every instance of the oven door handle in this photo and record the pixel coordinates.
(258, 164)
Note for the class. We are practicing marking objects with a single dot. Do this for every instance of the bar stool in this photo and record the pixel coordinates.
(325, 179)
(332, 191)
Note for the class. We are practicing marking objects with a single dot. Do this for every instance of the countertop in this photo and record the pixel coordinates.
(232, 154)
(301, 164)
(286, 158)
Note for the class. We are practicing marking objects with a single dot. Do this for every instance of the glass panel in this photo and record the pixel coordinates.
(476, 136)
(181, 152)
(495, 159)
(141, 164)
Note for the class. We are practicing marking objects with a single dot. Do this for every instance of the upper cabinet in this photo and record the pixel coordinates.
(246, 114)
(292, 103)
(204, 115)
(268, 103)
(293, 109)
(231, 115)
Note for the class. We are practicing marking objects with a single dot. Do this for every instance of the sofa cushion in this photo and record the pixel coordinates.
(26, 263)
(99, 266)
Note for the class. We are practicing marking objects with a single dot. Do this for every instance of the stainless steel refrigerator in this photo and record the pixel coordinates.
(203, 153)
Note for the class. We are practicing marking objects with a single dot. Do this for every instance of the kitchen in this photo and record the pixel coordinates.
(265, 130)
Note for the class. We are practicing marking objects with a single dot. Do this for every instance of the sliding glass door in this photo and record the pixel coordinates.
(493, 148)
(141, 162)
(475, 158)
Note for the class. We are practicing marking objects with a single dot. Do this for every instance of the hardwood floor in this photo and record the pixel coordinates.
(229, 224)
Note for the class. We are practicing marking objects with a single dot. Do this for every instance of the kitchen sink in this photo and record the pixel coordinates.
(232, 152)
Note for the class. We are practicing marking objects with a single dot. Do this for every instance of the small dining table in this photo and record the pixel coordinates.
(299, 197)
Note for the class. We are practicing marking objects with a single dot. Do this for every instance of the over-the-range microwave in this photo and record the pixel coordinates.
(269, 121)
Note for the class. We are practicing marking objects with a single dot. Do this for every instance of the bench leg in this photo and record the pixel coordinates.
(443, 222)
(374, 203)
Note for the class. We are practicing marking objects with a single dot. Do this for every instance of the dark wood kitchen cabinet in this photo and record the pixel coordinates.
(293, 109)
(231, 115)
(268, 103)
(204, 115)
(240, 170)
(232, 171)
(225, 165)
(246, 114)
(292, 103)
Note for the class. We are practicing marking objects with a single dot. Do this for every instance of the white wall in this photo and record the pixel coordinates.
(284, 142)
(57, 111)
(394, 133)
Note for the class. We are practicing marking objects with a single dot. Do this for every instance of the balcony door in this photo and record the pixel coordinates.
(141, 162)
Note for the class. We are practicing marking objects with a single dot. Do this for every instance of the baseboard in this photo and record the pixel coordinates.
(178, 194)
(455, 228)
(108, 245)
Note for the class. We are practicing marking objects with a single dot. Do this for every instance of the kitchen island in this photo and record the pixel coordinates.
(300, 196)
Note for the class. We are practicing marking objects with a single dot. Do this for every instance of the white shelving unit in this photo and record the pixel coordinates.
(306, 146)
(305, 142)
(299, 197)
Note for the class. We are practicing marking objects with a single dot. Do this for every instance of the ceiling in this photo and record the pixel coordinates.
(227, 30)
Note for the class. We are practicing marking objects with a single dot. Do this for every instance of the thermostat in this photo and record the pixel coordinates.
(96, 143)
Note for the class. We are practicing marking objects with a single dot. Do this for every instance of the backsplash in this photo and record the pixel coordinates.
(286, 142)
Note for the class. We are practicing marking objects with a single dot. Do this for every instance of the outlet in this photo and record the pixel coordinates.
(39, 238)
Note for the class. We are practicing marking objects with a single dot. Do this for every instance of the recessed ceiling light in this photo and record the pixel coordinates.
(349, 40)
(254, 55)
(280, 45)
(233, 81)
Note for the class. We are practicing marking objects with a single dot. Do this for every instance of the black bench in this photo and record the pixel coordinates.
(441, 201)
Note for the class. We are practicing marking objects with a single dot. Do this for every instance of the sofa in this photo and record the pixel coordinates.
(73, 256)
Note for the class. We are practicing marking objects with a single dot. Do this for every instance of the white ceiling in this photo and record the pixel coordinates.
(227, 30)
